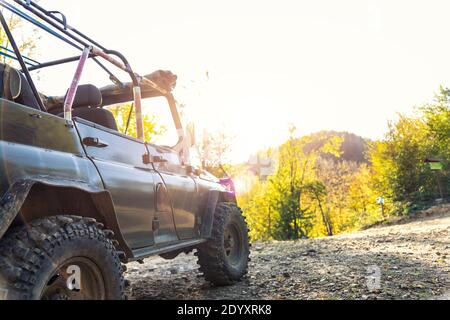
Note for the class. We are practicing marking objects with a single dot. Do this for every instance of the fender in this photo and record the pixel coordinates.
(214, 198)
(13, 200)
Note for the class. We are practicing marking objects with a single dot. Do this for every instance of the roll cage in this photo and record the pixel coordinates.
(55, 23)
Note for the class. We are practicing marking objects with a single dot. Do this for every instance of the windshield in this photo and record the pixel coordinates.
(159, 127)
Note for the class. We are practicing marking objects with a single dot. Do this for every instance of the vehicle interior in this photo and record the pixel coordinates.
(89, 103)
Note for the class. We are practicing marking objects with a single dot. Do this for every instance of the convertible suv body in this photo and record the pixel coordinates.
(79, 199)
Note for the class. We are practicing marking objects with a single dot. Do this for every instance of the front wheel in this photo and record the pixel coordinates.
(224, 258)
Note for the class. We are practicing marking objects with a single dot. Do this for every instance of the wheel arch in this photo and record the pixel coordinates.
(23, 203)
(214, 197)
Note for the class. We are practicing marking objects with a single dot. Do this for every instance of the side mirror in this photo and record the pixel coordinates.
(190, 133)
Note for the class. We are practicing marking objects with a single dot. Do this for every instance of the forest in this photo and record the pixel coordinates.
(330, 183)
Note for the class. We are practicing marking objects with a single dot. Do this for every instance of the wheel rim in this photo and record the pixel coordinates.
(232, 244)
(92, 286)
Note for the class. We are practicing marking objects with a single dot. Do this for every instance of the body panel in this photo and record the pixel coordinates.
(182, 190)
(166, 233)
(36, 144)
(127, 178)
(38, 147)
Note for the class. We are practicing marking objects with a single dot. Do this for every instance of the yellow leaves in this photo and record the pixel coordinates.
(333, 146)
(310, 196)
(126, 122)
(27, 40)
(257, 209)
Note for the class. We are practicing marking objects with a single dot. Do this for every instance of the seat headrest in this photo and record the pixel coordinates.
(11, 82)
(87, 95)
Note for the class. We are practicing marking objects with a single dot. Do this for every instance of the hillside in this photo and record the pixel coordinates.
(353, 147)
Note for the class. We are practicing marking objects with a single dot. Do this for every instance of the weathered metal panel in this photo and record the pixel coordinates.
(208, 214)
(166, 233)
(37, 146)
(210, 193)
(182, 190)
(127, 178)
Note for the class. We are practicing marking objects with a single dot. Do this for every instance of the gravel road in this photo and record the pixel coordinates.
(405, 261)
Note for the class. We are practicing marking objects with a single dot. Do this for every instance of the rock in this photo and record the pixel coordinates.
(376, 291)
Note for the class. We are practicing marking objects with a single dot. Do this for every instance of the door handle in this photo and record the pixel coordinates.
(94, 142)
(35, 115)
(148, 159)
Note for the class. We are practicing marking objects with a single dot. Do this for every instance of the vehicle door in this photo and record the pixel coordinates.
(175, 177)
(119, 159)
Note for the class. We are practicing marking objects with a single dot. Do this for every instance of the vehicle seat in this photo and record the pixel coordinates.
(99, 116)
(86, 105)
(15, 87)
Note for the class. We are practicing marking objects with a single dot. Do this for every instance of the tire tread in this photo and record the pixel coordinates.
(24, 248)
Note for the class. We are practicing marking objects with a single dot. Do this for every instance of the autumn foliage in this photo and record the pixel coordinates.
(317, 190)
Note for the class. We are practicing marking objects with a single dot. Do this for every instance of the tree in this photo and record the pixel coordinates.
(437, 118)
(213, 151)
(257, 206)
(400, 172)
(362, 198)
(318, 191)
(27, 40)
(293, 179)
(295, 170)
(398, 161)
(126, 122)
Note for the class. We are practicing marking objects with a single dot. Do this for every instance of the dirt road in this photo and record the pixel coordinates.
(407, 261)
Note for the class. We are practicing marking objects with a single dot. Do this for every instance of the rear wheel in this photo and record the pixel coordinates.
(224, 258)
(60, 258)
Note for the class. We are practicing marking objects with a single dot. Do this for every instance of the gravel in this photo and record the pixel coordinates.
(399, 262)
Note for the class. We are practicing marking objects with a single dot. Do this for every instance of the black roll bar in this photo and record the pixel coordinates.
(64, 23)
(56, 62)
(48, 18)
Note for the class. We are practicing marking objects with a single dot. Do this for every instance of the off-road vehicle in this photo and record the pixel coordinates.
(79, 199)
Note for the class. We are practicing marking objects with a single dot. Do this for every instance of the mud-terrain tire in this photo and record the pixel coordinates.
(223, 261)
(37, 261)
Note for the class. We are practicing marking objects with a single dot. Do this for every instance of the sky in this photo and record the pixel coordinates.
(253, 67)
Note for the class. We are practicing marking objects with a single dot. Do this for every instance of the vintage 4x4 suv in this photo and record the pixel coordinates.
(79, 198)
